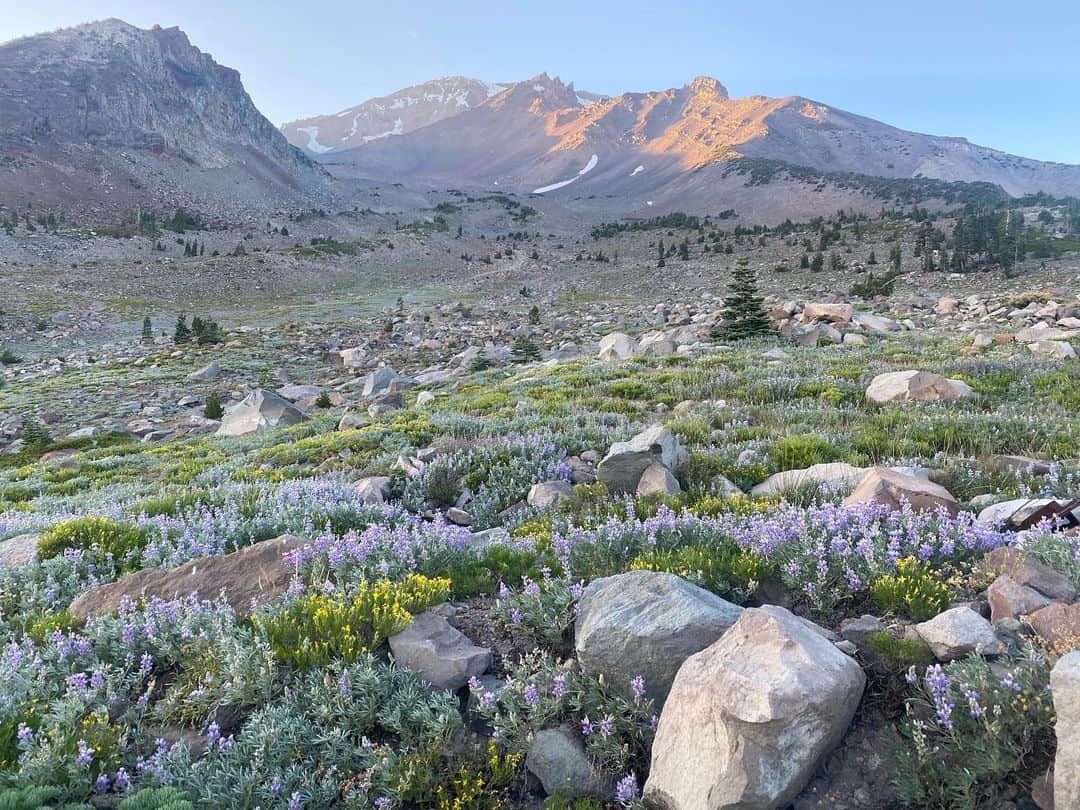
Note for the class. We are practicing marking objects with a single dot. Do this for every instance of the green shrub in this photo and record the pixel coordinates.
(898, 654)
(974, 729)
(164, 798)
(37, 798)
(727, 571)
(213, 408)
(799, 452)
(912, 591)
(100, 536)
(315, 628)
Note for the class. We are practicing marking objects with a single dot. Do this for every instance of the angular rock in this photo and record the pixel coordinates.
(647, 623)
(1058, 624)
(837, 474)
(1026, 570)
(658, 480)
(373, 489)
(616, 346)
(1056, 349)
(250, 575)
(1009, 599)
(458, 516)
(885, 486)
(258, 411)
(18, 550)
(958, 632)
(624, 463)
(922, 386)
(438, 653)
(548, 494)
(384, 381)
(831, 313)
(557, 758)
(749, 718)
(207, 373)
(1065, 687)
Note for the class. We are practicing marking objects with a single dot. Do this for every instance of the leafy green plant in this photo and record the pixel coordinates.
(799, 452)
(100, 536)
(314, 629)
(213, 408)
(542, 610)
(911, 590)
(973, 728)
(163, 798)
(726, 570)
(898, 654)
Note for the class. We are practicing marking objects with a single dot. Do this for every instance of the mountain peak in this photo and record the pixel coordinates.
(707, 85)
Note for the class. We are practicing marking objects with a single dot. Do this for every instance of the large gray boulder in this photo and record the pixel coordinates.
(207, 373)
(838, 474)
(616, 346)
(556, 757)
(438, 653)
(18, 550)
(647, 623)
(624, 463)
(243, 578)
(1065, 687)
(749, 718)
(893, 489)
(922, 386)
(959, 632)
(258, 411)
(548, 494)
(384, 381)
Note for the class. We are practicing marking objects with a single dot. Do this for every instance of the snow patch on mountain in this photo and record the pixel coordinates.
(313, 140)
(563, 183)
(638, 170)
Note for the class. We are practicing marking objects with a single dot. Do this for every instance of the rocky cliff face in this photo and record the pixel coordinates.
(115, 108)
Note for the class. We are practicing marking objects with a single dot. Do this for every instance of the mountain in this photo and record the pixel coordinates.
(106, 116)
(395, 114)
(675, 145)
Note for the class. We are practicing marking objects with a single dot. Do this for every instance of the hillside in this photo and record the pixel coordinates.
(107, 116)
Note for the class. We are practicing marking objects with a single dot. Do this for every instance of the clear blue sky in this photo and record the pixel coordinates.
(1002, 74)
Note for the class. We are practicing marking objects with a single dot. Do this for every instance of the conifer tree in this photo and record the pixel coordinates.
(744, 313)
(147, 330)
(660, 260)
(182, 334)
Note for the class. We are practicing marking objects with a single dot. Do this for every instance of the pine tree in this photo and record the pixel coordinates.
(804, 262)
(660, 258)
(213, 409)
(744, 315)
(147, 330)
(684, 250)
(181, 334)
(818, 263)
(872, 259)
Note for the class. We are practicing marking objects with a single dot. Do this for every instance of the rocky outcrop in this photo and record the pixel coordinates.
(959, 632)
(621, 469)
(646, 623)
(18, 550)
(915, 386)
(438, 653)
(243, 578)
(749, 718)
(556, 757)
(260, 410)
(893, 489)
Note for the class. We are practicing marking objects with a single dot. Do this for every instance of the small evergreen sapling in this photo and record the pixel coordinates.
(744, 315)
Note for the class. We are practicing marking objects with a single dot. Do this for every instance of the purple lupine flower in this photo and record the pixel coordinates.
(24, 734)
(294, 801)
(638, 685)
(586, 727)
(558, 686)
(101, 784)
(626, 789)
(531, 694)
(85, 755)
(121, 781)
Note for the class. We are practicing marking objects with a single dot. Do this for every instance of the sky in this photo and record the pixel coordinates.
(988, 71)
